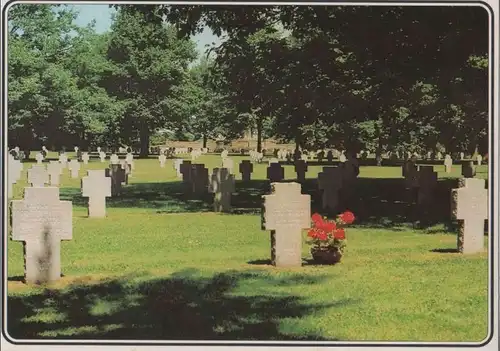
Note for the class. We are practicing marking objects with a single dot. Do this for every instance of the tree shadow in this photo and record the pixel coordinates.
(182, 307)
(447, 250)
(376, 202)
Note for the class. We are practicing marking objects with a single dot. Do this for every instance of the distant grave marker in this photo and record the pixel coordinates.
(330, 182)
(222, 185)
(38, 176)
(246, 169)
(96, 186)
(301, 170)
(54, 168)
(74, 167)
(275, 173)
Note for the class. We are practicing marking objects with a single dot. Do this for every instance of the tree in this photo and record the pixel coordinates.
(150, 68)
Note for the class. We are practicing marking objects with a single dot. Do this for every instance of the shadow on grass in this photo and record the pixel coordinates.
(447, 250)
(183, 307)
(376, 202)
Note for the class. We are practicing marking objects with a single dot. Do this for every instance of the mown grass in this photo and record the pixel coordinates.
(163, 266)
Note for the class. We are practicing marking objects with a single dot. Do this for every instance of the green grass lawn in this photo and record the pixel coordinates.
(162, 266)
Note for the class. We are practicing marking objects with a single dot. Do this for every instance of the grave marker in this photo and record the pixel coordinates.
(470, 208)
(117, 175)
(162, 158)
(85, 158)
(286, 212)
(96, 186)
(41, 221)
(275, 173)
(301, 170)
(54, 168)
(222, 185)
(427, 181)
(330, 182)
(38, 176)
(246, 169)
(74, 167)
(448, 163)
(39, 158)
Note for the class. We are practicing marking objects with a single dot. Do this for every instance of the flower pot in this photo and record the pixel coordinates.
(326, 255)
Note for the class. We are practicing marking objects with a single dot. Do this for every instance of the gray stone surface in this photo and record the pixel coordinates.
(330, 182)
(74, 168)
(222, 185)
(427, 181)
(85, 158)
(96, 186)
(228, 163)
(246, 169)
(185, 169)
(468, 169)
(38, 176)
(41, 221)
(14, 168)
(286, 212)
(448, 163)
(199, 178)
(117, 175)
(54, 168)
(469, 205)
(163, 159)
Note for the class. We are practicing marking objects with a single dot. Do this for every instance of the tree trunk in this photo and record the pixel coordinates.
(144, 136)
(259, 135)
(204, 141)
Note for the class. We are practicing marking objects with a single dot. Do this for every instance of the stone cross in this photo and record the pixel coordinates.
(439, 156)
(224, 154)
(85, 158)
(14, 168)
(76, 148)
(63, 158)
(330, 182)
(246, 169)
(470, 208)
(177, 166)
(96, 186)
(427, 181)
(130, 160)
(468, 169)
(54, 169)
(38, 176)
(275, 173)
(479, 159)
(329, 156)
(74, 167)
(448, 162)
(128, 170)
(286, 212)
(228, 164)
(162, 158)
(462, 155)
(342, 158)
(301, 170)
(222, 185)
(39, 158)
(102, 156)
(117, 175)
(41, 221)
(98, 149)
(114, 159)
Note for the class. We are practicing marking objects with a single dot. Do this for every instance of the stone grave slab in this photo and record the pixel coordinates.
(41, 221)
(54, 168)
(38, 176)
(427, 181)
(330, 183)
(222, 186)
(286, 212)
(74, 167)
(96, 186)
(469, 205)
(275, 173)
(301, 170)
(246, 169)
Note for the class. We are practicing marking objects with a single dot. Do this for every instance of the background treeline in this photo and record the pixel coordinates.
(377, 78)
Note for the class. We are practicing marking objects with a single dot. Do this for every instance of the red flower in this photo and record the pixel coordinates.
(311, 233)
(347, 217)
(329, 226)
(322, 236)
(316, 218)
(339, 234)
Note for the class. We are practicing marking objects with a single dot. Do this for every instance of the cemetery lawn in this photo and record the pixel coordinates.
(164, 267)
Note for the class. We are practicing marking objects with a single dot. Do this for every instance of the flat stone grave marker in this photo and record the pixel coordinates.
(285, 213)
(38, 176)
(117, 175)
(41, 221)
(85, 158)
(74, 167)
(469, 205)
(330, 182)
(162, 158)
(301, 170)
(222, 185)
(275, 173)
(39, 158)
(54, 168)
(114, 159)
(228, 163)
(102, 156)
(246, 169)
(96, 186)
(448, 163)
(427, 181)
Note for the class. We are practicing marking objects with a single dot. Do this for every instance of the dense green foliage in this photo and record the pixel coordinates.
(378, 78)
